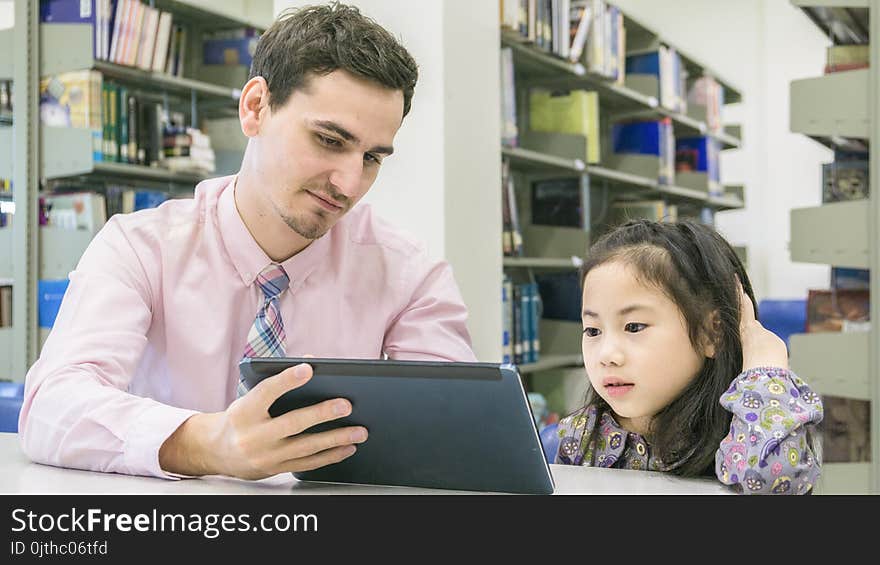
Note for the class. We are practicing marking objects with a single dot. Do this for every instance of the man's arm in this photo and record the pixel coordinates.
(76, 411)
(433, 323)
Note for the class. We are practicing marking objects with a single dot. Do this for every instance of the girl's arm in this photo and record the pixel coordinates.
(770, 445)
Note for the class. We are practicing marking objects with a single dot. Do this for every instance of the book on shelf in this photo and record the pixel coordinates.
(561, 202)
(507, 320)
(571, 112)
(73, 99)
(841, 58)
(509, 129)
(707, 93)
(512, 239)
(560, 295)
(697, 163)
(645, 148)
(850, 279)
(661, 74)
(5, 306)
(845, 430)
(588, 31)
(838, 310)
(845, 179)
(96, 13)
(235, 47)
(76, 210)
(657, 210)
(580, 18)
(50, 293)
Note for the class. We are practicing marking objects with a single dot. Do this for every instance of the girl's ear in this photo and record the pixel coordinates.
(711, 334)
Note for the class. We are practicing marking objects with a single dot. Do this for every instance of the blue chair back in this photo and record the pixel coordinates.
(11, 399)
(550, 442)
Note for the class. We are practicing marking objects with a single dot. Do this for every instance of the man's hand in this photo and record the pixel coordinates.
(245, 442)
(761, 347)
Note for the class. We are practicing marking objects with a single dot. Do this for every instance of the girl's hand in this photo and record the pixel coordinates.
(761, 347)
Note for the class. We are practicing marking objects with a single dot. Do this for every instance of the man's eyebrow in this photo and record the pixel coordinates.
(350, 137)
(623, 311)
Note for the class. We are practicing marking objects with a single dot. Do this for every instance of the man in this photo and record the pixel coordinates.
(140, 373)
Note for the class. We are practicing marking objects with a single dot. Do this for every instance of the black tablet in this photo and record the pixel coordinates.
(460, 426)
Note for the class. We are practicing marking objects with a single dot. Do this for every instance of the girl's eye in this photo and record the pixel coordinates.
(591, 332)
(634, 327)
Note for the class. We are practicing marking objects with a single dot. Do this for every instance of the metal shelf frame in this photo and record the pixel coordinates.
(31, 50)
(854, 237)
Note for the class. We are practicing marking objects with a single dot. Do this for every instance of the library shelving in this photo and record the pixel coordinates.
(539, 156)
(836, 110)
(43, 154)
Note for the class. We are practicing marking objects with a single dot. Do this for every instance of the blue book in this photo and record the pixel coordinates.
(517, 325)
(699, 154)
(526, 308)
(506, 321)
(534, 319)
(239, 51)
(644, 64)
(148, 199)
(49, 296)
(79, 12)
(643, 138)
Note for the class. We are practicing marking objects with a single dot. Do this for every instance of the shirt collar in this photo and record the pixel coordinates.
(246, 254)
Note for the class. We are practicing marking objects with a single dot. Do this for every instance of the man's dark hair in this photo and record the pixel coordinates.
(322, 39)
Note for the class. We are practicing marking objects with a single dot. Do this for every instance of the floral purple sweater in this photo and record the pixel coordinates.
(766, 450)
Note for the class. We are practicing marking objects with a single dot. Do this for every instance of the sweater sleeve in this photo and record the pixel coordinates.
(769, 449)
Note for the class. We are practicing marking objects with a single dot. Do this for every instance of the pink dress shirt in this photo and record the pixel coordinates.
(157, 313)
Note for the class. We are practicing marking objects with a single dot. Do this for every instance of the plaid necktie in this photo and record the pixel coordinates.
(266, 336)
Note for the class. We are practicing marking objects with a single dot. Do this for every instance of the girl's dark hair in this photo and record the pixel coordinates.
(697, 269)
(322, 39)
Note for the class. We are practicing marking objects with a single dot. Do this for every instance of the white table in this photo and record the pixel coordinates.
(18, 475)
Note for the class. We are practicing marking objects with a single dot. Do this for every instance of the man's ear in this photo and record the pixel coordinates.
(711, 334)
(253, 105)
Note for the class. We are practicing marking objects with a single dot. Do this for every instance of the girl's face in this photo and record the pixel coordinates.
(637, 351)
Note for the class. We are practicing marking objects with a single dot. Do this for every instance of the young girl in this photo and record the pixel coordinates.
(682, 376)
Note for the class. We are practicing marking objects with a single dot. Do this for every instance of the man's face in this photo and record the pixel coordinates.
(319, 153)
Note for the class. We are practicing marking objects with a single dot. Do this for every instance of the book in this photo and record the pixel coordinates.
(580, 16)
(700, 154)
(509, 129)
(515, 246)
(77, 210)
(5, 306)
(560, 295)
(79, 12)
(572, 112)
(561, 202)
(838, 310)
(162, 43)
(851, 279)
(845, 430)
(708, 93)
(506, 320)
(666, 67)
(649, 138)
(845, 180)
(229, 51)
(73, 99)
(846, 58)
(656, 210)
(144, 199)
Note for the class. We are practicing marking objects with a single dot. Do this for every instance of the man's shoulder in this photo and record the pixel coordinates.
(363, 227)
